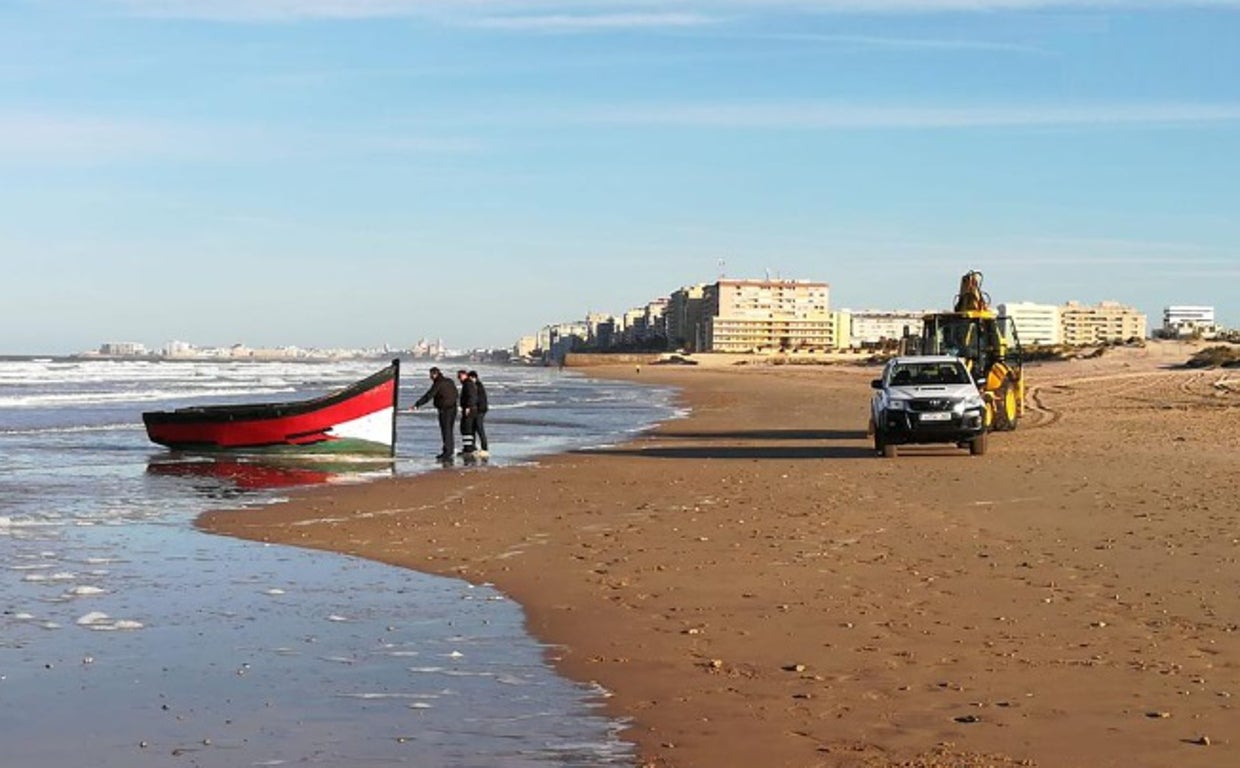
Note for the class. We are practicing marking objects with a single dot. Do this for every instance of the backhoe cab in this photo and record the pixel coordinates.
(988, 345)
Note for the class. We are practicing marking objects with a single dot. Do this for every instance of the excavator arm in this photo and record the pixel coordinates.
(971, 297)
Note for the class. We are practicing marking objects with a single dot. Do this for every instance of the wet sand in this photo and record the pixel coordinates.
(756, 588)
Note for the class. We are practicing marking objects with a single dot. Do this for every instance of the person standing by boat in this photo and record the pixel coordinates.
(480, 413)
(469, 410)
(443, 396)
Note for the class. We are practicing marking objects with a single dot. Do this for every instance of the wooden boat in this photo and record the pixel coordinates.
(359, 419)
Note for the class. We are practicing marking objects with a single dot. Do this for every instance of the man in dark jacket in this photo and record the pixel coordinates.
(442, 395)
(469, 410)
(480, 413)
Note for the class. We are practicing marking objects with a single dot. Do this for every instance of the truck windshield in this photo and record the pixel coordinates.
(917, 374)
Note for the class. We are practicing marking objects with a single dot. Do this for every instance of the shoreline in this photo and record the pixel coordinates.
(753, 587)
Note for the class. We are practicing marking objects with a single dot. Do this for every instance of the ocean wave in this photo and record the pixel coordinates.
(140, 396)
(126, 427)
(521, 404)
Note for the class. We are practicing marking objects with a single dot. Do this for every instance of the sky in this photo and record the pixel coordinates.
(368, 172)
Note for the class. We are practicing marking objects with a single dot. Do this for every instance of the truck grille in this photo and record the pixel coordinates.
(940, 404)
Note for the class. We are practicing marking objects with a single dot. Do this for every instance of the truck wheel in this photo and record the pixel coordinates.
(889, 451)
(1007, 410)
(977, 446)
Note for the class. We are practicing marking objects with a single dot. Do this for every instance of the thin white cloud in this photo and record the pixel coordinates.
(591, 22)
(77, 140)
(31, 137)
(569, 10)
(833, 116)
(912, 44)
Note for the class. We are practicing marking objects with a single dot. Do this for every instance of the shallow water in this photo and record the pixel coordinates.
(129, 638)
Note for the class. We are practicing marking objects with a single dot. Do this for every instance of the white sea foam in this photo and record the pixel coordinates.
(85, 591)
(102, 622)
(520, 404)
(146, 396)
(380, 696)
(129, 427)
(274, 592)
(49, 577)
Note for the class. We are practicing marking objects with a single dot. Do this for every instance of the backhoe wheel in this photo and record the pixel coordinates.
(889, 451)
(1006, 407)
(977, 446)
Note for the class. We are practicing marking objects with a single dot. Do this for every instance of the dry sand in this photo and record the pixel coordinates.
(757, 589)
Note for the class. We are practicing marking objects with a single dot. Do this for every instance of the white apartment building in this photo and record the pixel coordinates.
(1184, 320)
(1035, 323)
(766, 315)
(1109, 321)
(870, 327)
(122, 349)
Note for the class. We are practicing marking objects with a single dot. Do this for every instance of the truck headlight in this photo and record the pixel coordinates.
(974, 401)
(897, 405)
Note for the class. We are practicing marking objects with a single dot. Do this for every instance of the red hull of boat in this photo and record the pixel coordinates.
(358, 419)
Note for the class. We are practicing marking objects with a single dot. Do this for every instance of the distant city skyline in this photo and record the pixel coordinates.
(319, 173)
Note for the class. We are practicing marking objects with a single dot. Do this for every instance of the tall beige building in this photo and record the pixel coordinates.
(684, 318)
(766, 316)
(1109, 321)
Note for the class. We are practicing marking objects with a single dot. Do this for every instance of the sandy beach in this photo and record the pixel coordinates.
(756, 588)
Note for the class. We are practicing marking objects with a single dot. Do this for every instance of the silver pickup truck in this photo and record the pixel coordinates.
(930, 399)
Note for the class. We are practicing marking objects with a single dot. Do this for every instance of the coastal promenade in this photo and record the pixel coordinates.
(755, 588)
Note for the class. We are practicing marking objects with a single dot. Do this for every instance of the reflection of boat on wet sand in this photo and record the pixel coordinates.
(359, 419)
(269, 473)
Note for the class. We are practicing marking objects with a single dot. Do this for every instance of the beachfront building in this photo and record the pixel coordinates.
(122, 349)
(841, 330)
(765, 316)
(1183, 321)
(525, 346)
(179, 349)
(879, 327)
(655, 320)
(1036, 324)
(684, 318)
(600, 330)
(1103, 323)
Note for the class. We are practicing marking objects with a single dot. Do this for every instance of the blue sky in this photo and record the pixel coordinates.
(359, 172)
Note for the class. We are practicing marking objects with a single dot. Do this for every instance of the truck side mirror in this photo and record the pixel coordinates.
(876, 384)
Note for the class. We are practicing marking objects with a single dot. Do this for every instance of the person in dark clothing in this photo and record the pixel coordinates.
(480, 413)
(442, 395)
(469, 411)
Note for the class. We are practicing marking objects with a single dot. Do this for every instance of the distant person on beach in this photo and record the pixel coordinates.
(469, 410)
(480, 430)
(442, 395)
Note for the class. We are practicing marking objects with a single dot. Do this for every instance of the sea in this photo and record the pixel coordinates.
(129, 638)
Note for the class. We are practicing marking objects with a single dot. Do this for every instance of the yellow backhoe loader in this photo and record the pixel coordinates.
(989, 346)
